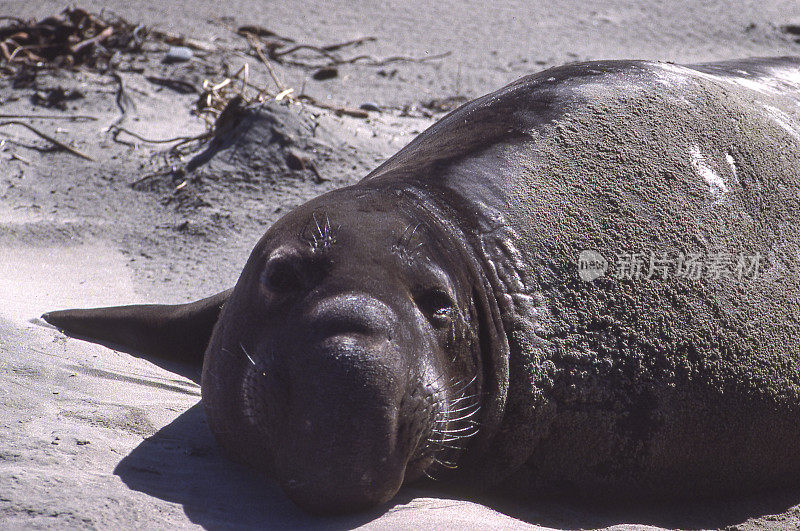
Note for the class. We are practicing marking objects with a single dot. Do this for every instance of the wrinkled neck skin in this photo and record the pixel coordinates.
(470, 199)
(362, 349)
(466, 222)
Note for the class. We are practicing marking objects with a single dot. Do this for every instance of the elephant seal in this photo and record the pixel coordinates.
(584, 284)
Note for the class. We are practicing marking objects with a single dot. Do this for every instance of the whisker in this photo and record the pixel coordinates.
(463, 417)
(438, 442)
(446, 464)
(451, 384)
(474, 379)
(457, 400)
(462, 389)
(429, 476)
(458, 448)
(316, 222)
(465, 408)
(457, 430)
(455, 438)
(252, 361)
(437, 379)
(408, 234)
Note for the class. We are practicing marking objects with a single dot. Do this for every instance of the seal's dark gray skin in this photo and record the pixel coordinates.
(433, 320)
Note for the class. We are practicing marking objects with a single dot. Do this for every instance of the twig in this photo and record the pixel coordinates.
(19, 158)
(276, 54)
(160, 173)
(122, 100)
(49, 139)
(258, 31)
(279, 52)
(354, 42)
(356, 113)
(266, 62)
(179, 40)
(72, 117)
(103, 35)
(117, 130)
(182, 87)
(334, 60)
(397, 59)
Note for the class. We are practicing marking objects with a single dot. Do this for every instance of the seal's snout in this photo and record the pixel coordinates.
(320, 413)
(351, 313)
(336, 435)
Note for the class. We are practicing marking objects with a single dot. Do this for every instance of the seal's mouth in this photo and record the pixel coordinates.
(337, 437)
(431, 433)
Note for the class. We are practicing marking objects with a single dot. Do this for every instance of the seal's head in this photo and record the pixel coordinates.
(347, 360)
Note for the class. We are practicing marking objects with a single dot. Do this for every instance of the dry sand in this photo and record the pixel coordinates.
(90, 437)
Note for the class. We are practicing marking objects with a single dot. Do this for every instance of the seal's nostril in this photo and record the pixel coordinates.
(354, 313)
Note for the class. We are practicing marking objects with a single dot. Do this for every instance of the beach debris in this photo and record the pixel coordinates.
(124, 102)
(445, 104)
(49, 138)
(298, 161)
(368, 106)
(177, 54)
(792, 27)
(73, 38)
(151, 181)
(180, 141)
(178, 85)
(338, 110)
(215, 97)
(180, 40)
(262, 142)
(55, 97)
(287, 51)
(325, 73)
(71, 117)
(269, 47)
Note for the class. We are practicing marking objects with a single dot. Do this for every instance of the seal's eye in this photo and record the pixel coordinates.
(437, 306)
(282, 275)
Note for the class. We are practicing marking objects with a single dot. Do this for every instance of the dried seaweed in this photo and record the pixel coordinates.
(73, 38)
(286, 51)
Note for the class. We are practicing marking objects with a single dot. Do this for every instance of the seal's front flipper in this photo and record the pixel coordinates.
(178, 332)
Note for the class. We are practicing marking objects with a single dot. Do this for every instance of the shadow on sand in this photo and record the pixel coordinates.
(700, 514)
(182, 464)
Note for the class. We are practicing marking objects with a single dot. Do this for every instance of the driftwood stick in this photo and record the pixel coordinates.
(49, 138)
(71, 117)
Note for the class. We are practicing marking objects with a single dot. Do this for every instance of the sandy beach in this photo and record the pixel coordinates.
(95, 438)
